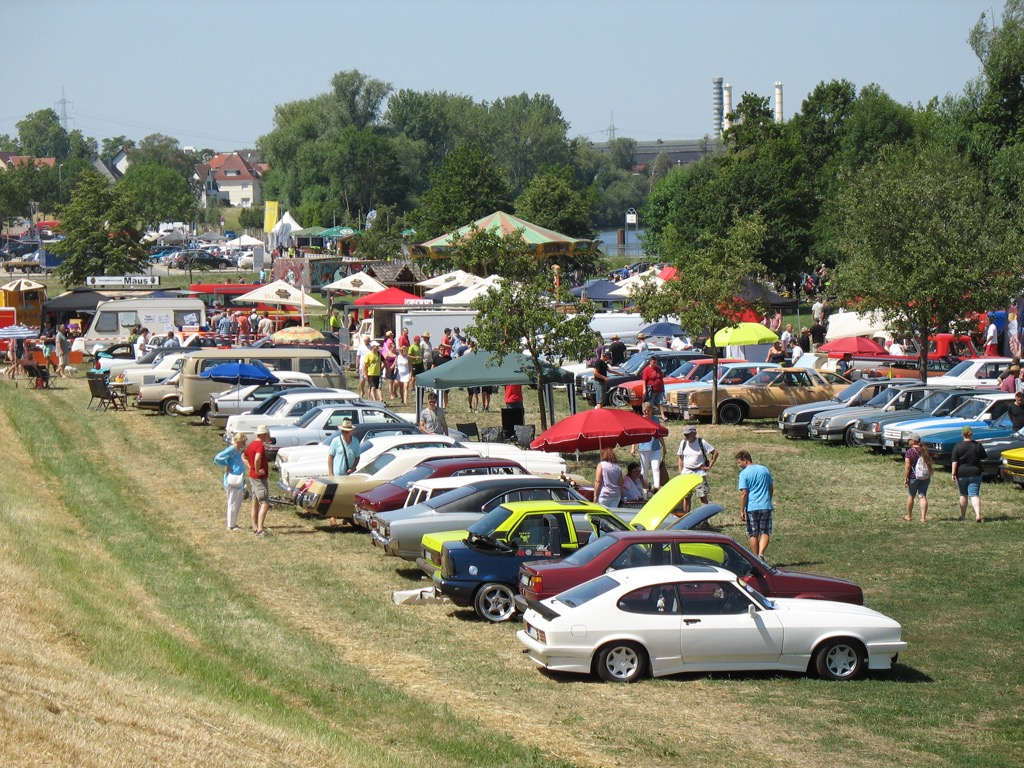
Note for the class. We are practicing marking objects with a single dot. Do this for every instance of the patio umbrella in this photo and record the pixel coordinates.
(239, 373)
(282, 294)
(18, 332)
(596, 429)
(744, 334)
(22, 284)
(297, 334)
(857, 345)
(664, 328)
(359, 282)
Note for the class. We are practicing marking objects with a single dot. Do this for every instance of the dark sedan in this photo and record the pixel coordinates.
(199, 260)
(795, 421)
(631, 549)
(631, 369)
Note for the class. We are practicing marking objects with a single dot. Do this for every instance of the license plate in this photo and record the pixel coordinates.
(524, 579)
(531, 631)
(888, 442)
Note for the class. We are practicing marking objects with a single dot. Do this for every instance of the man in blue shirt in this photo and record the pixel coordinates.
(756, 491)
(343, 453)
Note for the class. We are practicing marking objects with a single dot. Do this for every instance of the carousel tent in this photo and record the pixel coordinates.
(545, 242)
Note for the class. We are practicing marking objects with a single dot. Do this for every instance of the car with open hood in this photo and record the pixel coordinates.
(669, 619)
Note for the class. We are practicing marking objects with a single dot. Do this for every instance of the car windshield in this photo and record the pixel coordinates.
(972, 409)
(587, 591)
(585, 554)
(309, 417)
(764, 378)
(488, 524)
(850, 392)
(635, 363)
(930, 402)
(414, 474)
(683, 371)
(960, 368)
(451, 498)
(379, 463)
(883, 397)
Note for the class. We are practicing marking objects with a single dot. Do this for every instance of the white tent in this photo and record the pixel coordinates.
(245, 241)
(626, 286)
(359, 282)
(281, 234)
(842, 325)
(469, 281)
(466, 296)
(281, 294)
(446, 280)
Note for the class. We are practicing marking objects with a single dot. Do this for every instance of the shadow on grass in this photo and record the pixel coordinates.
(411, 574)
(898, 674)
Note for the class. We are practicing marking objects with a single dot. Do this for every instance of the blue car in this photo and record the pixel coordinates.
(941, 444)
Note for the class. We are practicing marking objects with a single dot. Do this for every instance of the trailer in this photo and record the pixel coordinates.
(416, 321)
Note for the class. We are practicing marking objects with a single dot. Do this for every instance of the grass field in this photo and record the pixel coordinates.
(138, 631)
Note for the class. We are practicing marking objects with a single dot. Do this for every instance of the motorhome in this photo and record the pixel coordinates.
(115, 319)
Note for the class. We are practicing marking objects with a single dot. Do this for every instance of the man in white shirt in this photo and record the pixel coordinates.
(796, 351)
(895, 348)
(787, 336)
(696, 457)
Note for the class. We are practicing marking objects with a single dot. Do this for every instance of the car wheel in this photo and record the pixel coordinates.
(169, 407)
(840, 659)
(620, 398)
(621, 662)
(494, 602)
(848, 437)
(730, 413)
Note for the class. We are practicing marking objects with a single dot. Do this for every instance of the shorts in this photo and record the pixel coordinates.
(702, 491)
(390, 374)
(260, 489)
(473, 390)
(656, 398)
(969, 486)
(918, 487)
(759, 523)
(373, 381)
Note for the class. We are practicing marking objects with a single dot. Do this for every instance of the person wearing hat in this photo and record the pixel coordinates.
(343, 450)
(415, 359)
(641, 343)
(255, 458)
(967, 457)
(427, 351)
(696, 457)
(618, 350)
(917, 474)
(373, 364)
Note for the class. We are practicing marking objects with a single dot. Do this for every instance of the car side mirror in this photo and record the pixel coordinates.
(751, 610)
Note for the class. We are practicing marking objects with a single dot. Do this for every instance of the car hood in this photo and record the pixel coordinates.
(662, 504)
(820, 608)
(950, 437)
(857, 412)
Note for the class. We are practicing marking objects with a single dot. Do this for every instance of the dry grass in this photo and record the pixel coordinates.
(362, 682)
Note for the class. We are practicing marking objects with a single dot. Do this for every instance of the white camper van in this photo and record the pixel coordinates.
(115, 319)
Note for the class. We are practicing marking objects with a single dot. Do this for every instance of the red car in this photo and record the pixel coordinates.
(632, 392)
(542, 579)
(392, 495)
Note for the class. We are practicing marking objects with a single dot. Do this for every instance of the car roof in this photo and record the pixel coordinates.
(450, 483)
(661, 574)
(474, 461)
(391, 441)
(309, 393)
(526, 507)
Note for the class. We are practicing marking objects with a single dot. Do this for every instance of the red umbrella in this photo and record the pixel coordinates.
(597, 429)
(855, 345)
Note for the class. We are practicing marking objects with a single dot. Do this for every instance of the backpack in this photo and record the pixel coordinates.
(921, 470)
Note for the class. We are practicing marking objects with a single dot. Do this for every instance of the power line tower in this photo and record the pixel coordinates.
(63, 105)
(611, 127)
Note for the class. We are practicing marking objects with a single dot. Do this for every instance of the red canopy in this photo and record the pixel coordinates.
(596, 429)
(391, 297)
(855, 345)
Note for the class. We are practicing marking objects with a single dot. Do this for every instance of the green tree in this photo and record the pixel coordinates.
(383, 240)
(159, 149)
(526, 312)
(709, 277)
(466, 187)
(40, 134)
(115, 144)
(101, 235)
(1000, 90)
(15, 192)
(923, 244)
(81, 146)
(551, 201)
(527, 133)
(252, 217)
(157, 193)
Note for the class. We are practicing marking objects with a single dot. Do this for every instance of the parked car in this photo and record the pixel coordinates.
(631, 393)
(836, 426)
(392, 495)
(634, 549)
(245, 260)
(669, 619)
(942, 401)
(796, 420)
(941, 444)
(764, 396)
(160, 396)
(400, 532)
(979, 410)
(198, 259)
(249, 397)
(630, 370)
(728, 375)
(288, 408)
(1011, 465)
(324, 420)
(976, 371)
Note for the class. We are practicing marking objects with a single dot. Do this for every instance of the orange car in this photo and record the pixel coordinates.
(631, 393)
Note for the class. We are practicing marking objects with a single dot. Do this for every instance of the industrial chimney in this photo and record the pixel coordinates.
(716, 106)
(726, 106)
(778, 101)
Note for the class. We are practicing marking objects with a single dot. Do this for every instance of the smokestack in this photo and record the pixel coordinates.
(726, 106)
(778, 101)
(716, 106)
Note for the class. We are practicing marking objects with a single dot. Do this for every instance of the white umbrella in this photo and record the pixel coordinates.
(18, 332)
(462, 282)
(467, 295)
(245, 241)
(22, 284)
(446, 279)
(626, 286)
(281, 294)
(359, 282)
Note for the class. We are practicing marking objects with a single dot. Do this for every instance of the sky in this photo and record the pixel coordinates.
(210, 72)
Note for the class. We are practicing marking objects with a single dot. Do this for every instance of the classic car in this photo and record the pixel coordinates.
(634, 549)
(836, 426)
(401, 531)
(941, 444)
(248, 397)
(161, 396)
(942, 401)
(393, 494)
(631, 393)
(796, 420)
(667, 619)
(729, 374)
(316, 424)
(981, 409)
(764, 396)
(1011, 465)
(333, 496)
(508, 524)
(288, 409)
(630, 370)
(977, 371)
(482, 571)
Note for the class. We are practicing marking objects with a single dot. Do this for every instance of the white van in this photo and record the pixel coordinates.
(114, 320)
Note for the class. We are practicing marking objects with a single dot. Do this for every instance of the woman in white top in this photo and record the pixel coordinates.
(403, 371)
(608, 481)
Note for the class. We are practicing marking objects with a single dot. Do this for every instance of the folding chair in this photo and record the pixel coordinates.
(525, 433)
(470, 430)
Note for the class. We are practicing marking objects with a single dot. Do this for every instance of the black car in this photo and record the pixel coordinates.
(630, 370)
(199, 260)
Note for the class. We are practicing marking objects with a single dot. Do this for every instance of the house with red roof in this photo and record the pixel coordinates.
(231, 178)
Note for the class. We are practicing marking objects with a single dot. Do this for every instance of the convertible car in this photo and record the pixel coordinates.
(667, 619)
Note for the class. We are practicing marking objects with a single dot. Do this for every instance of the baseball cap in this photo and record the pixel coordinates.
(966, 431)
(690, 430)
(914, 437)
(415, 338)
(374, 343)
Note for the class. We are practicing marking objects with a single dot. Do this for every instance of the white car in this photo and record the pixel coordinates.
(245, 260)
(667, 619)
(981, 410)
(165, 367)
(973, 372)
(248, 396)
(288, 409)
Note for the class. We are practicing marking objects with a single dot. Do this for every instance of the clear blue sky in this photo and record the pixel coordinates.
(210, 72)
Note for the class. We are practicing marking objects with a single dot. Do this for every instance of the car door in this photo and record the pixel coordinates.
(718, 631)
(653, 614)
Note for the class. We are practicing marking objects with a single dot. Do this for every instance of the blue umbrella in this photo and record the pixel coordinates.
(18, 332)
(239, 373)
(663, 328)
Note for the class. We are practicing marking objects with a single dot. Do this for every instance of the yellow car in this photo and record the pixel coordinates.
(765, 396)
(1011, 465)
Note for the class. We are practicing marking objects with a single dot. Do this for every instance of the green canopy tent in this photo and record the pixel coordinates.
(471, 370)
(545, 242)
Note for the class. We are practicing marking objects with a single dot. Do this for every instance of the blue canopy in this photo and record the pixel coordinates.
(598, 290)
(239, 373)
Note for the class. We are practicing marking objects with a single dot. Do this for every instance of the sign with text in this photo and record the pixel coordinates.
(125, 281)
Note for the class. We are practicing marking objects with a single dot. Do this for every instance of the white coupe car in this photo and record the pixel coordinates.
(668, 619)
